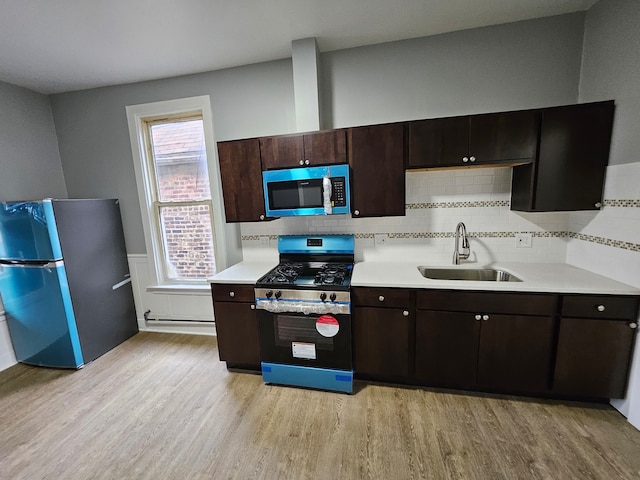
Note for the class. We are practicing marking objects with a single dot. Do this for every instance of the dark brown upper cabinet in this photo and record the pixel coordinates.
(377, 157)
(320, 148)
(241, 177)
(572, 160)
(487, 139)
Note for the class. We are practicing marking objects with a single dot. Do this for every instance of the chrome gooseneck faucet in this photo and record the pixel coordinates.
(461, 230)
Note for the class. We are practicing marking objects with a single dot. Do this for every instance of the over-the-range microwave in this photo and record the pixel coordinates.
(307, 191)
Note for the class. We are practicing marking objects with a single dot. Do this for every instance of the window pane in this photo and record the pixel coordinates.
(188, 242)
(180, 161)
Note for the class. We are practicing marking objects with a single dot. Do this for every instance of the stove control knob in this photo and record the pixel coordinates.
(332, 297)
(278, 294)
(269, 294)
(323, 296)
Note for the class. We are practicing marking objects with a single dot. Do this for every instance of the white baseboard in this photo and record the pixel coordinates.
(7, 355)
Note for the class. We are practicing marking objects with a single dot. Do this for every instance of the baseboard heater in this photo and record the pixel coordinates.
(169, 321)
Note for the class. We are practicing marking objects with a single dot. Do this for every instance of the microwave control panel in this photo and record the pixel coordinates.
(338, 195)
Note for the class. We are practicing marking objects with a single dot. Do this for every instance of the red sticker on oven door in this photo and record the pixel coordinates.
(327, 326)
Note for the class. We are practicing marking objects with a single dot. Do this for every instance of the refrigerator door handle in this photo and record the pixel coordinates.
(121, 284)
(31, 264)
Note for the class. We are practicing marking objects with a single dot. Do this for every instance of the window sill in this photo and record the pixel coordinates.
(180, 289)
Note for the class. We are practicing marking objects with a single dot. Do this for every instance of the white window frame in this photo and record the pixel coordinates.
(137, 115)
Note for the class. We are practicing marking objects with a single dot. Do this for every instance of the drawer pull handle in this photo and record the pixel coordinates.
(600, 308)
(253, 307)
(633, 325)
(405, 313)
(478, 317)
(485, 317)
(381, 298)
(232, 294)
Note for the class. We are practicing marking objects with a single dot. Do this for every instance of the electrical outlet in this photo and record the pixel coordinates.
(523, 240)
(264, 240)
(380, 238)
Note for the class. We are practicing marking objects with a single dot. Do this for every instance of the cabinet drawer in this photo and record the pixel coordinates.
(382, 297)
(232, 292)
(600, 306)
(489, 302)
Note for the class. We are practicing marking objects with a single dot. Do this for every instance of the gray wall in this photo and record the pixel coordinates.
(611, 70)
(518, 65)
(29, 161)
(94, 139)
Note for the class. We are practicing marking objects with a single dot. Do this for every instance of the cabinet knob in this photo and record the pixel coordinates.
(633, 325)
(600, 308)
(261, 217)
(598, 205)
(478, 317)
(301, 162)
(253, 307)
(465, 159)
(356, 212)
(306, 162)
(472, 159)
(485, 317)
(232, 294)
(381, 298)
(405, 313)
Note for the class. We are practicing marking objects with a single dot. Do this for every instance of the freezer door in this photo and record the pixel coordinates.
(40, 315)
(24, 232)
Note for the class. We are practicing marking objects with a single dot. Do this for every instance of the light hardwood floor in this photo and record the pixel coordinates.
(162, 406)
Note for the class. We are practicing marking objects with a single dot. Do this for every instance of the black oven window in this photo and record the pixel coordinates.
(295, 194)
(291, 328)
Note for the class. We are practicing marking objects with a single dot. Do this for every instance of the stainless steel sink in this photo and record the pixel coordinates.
(470, 274)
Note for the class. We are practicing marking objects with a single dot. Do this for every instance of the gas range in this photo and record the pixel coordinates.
(313, 276)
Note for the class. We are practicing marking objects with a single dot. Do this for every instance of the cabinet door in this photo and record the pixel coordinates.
(572, 160)
(377, 159)
(446, 348)
(593, 357)
(237, 334)
(241, 177)
(381, 342)
(439, 142)
(515, 353)
(325, 148)
(282, 151)
(503, 137)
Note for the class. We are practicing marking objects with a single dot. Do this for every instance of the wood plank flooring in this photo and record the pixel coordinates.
(162, 406)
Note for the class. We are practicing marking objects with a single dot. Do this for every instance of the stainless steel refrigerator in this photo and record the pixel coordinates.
(64, 280)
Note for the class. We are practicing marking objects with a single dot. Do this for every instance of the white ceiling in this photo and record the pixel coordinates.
(53, 46)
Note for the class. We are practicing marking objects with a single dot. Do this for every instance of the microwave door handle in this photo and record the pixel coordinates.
(326, 194)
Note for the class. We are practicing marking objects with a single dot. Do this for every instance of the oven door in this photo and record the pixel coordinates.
(317, 340)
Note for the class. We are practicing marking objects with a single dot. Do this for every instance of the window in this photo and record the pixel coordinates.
(179, 190)
(181, 196)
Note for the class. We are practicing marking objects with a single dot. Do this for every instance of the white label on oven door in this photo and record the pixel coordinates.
(327, 326)
(304, 350)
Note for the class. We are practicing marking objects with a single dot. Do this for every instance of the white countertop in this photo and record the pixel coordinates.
(536, 277)
(248, 271)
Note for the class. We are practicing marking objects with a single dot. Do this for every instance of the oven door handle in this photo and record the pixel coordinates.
(275, 306)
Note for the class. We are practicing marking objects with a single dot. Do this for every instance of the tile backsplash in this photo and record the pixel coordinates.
(435, 202)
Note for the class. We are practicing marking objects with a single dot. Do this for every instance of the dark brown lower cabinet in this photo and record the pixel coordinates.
(515, 353)
(593, 357)
(237, 331)
(236, 325)
(510, 353)
(446, 348)
(381, 338)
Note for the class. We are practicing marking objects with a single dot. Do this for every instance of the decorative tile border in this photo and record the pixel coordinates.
(506, 203)
(480, 203)
(634, 247)
(621, 203)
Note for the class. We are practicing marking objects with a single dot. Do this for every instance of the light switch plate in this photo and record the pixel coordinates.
(264, 240)
(380, 238)
(523, 240)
